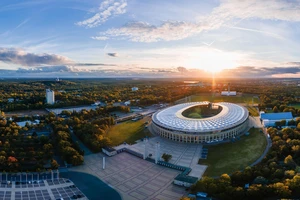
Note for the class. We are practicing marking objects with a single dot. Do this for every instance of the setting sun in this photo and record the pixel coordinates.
(213, 60)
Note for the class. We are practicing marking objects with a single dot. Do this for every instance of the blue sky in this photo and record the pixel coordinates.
(155, 38)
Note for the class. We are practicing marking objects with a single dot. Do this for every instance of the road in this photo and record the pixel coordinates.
(82, 146)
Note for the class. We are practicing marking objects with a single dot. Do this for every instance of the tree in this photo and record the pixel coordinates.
(54, 164)
(282, 190)
(283, 122)
(275, 109)
(277, 123)
(225, 178)
(47, 147)
(260, 180)
(166, 157)
(2, 160)
(291, 123)
(290, 162)
(298, 127)
(77, 160)
(289, 173)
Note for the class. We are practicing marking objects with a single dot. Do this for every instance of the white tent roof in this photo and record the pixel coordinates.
(172, 118)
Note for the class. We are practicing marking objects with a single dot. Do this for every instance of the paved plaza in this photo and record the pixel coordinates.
(183, 154)
(132, 177)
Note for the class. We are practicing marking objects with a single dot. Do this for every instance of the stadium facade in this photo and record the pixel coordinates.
(230, 122)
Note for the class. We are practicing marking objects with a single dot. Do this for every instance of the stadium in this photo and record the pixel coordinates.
(200, 122)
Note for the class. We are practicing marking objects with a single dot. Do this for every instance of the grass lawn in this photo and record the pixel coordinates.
(296, 105)
(235, 99)
(230, 157)
(128, 131)
(252, 110)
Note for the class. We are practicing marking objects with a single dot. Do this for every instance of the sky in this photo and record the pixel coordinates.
(150, 38)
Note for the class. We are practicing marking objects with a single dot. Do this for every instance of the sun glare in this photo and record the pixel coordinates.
(213, 61)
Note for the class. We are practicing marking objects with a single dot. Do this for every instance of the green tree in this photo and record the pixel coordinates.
(275, 109)
(54, 164)
(290, 162)
(283, 122)
(166, 157)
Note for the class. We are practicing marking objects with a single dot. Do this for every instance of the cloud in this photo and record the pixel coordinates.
(20, 57)
(93, 64)
(260, 72)
(182, 69)
(100, 38)
(112, 54)
(229, 13)
(144, 32)
(47, 69)
(274, 35)
(107, 9)
(266, 10)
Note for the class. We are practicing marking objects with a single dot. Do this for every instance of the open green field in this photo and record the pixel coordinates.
(296, 105)
(128, 131)
(233, 99)
(252, 110)
(230, 157)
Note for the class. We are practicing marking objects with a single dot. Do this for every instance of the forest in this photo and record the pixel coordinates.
(277, 176)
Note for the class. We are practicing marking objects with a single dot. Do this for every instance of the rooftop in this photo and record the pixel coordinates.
(40, 190)
(276, 116)
(187, 179)
(109, 149)
(172, 118)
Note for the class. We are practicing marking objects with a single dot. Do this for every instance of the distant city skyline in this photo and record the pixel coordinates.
(132, 38)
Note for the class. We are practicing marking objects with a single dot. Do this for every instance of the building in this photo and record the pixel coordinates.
(269, 119)
(184, 180)
(134, 89)
(10, 100)
(231, 120)
(109, 151)
(127, 103)
(50, 99)
(228, 93)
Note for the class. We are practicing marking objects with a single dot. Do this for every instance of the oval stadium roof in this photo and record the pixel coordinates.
(172, 118)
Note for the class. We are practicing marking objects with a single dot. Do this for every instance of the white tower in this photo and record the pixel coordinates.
(50, 96)
(146, 149)
(157, 152)
(103, 166)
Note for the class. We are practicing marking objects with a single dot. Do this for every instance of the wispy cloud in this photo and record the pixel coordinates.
(100, 38)
(229, 13)
(107, 9)
(144, 32)
(6, 33)
(23, 23)
(259, 31)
